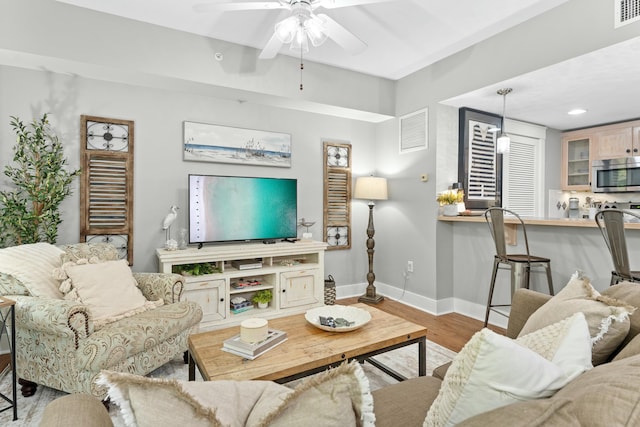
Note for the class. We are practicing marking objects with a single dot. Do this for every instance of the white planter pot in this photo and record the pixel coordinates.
(263, 304)
(450, 210)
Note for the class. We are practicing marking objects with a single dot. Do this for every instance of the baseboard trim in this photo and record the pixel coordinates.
(429, 305)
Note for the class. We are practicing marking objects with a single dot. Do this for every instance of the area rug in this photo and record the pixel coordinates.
(403, 361)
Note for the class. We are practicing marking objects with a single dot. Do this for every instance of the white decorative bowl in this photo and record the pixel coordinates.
(352, 314)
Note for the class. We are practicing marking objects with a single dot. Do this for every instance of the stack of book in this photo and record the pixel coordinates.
(252, 350)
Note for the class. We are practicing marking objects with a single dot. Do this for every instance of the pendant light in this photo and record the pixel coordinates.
(503, 141)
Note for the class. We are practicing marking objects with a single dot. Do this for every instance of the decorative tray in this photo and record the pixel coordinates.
(344, 318)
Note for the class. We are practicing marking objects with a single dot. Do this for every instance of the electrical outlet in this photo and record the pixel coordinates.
(410, 266)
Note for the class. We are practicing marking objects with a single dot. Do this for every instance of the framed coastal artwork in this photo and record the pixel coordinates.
(479, 166)
(225, 144)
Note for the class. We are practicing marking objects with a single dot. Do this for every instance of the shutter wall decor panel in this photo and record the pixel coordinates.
(106, 189)
(337, 195)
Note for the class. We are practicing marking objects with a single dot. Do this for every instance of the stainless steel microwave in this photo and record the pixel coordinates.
(616, 175)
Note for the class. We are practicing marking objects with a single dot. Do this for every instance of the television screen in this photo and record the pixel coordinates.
(229, 208)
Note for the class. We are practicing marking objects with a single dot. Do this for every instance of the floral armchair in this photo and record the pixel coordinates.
(59, 344)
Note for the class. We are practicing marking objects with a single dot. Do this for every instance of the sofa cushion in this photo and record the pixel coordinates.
(630, 293)
(405, 403)
(607, 395)
(33, 265)
(493, 370)
(117, 341)
(107, 288)
(337, 397)
(608, 318)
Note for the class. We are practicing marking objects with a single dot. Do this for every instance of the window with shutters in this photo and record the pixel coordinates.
(337, 195)
(523, 170)
(106, 187)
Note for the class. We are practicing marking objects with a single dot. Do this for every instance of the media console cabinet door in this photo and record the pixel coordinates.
(210, 294)
(299, 288)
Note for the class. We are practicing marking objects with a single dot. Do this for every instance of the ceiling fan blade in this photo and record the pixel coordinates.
(272, 48)
(334, 4)
(229, 6)
(343, 37)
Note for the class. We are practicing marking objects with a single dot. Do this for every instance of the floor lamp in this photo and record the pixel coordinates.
(371, 188)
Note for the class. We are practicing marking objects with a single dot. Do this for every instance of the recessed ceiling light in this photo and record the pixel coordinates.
(577, 111)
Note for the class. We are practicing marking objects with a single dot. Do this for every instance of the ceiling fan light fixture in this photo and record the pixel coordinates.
(299, 43)
(287, 28)
(316, 30)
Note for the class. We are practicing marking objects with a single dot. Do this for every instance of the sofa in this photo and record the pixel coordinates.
(606, 395)
(65, 333)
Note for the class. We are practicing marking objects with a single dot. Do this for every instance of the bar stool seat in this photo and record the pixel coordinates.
(519, 264)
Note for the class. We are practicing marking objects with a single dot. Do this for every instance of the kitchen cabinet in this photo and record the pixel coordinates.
(581, 147)
(576, 161)
(618, 140)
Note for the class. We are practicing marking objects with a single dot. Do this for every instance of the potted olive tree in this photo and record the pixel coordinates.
(29, 210)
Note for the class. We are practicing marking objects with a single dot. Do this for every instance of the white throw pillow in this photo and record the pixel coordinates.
(108, 289)
(33, 265)
(493, 371)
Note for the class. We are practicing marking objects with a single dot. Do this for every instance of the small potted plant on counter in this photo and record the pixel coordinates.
(449, 200)
(262, 298)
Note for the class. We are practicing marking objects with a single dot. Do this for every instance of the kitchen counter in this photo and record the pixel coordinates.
(554, 222)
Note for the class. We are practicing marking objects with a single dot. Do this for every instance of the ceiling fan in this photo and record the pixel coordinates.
(302, 26)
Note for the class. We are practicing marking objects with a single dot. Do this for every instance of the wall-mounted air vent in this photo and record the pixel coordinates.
(413, 131)
(626, 12)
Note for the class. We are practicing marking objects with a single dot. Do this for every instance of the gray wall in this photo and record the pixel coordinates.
(69, 61)
(160, 178)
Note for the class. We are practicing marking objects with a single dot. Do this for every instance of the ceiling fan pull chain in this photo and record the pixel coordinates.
(301, 68)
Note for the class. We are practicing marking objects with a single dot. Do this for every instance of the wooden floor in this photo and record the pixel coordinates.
(448, 330)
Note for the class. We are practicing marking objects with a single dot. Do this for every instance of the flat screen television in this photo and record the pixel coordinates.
(232, 208)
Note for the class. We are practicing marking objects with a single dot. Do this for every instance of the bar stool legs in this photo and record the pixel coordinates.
(520, 278)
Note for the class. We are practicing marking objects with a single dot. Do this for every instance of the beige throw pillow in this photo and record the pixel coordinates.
(338, 397)
(108, 289)
(492, 370)
(32, 265)
(608, 318)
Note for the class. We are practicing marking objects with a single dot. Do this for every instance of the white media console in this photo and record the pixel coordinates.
(294, 272)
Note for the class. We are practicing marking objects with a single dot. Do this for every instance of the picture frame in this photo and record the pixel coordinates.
(203, 142)
(479, 166)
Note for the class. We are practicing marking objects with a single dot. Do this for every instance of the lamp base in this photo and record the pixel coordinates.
(371, 299)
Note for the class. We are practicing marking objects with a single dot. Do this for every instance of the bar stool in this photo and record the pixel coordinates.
(519, 264)
(611, 225)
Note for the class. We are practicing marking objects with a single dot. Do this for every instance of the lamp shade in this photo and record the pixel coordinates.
(371, 188)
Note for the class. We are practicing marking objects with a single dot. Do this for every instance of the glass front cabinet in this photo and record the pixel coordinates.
(576, 161)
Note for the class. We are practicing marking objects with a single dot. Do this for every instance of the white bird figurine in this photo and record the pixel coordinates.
(169, 219)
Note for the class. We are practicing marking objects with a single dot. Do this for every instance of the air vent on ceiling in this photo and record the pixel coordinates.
(626, 12)
(413, 131)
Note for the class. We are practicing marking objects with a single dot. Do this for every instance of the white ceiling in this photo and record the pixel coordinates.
(406, 35)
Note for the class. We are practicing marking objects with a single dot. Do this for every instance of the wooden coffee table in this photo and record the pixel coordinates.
(308, 349)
